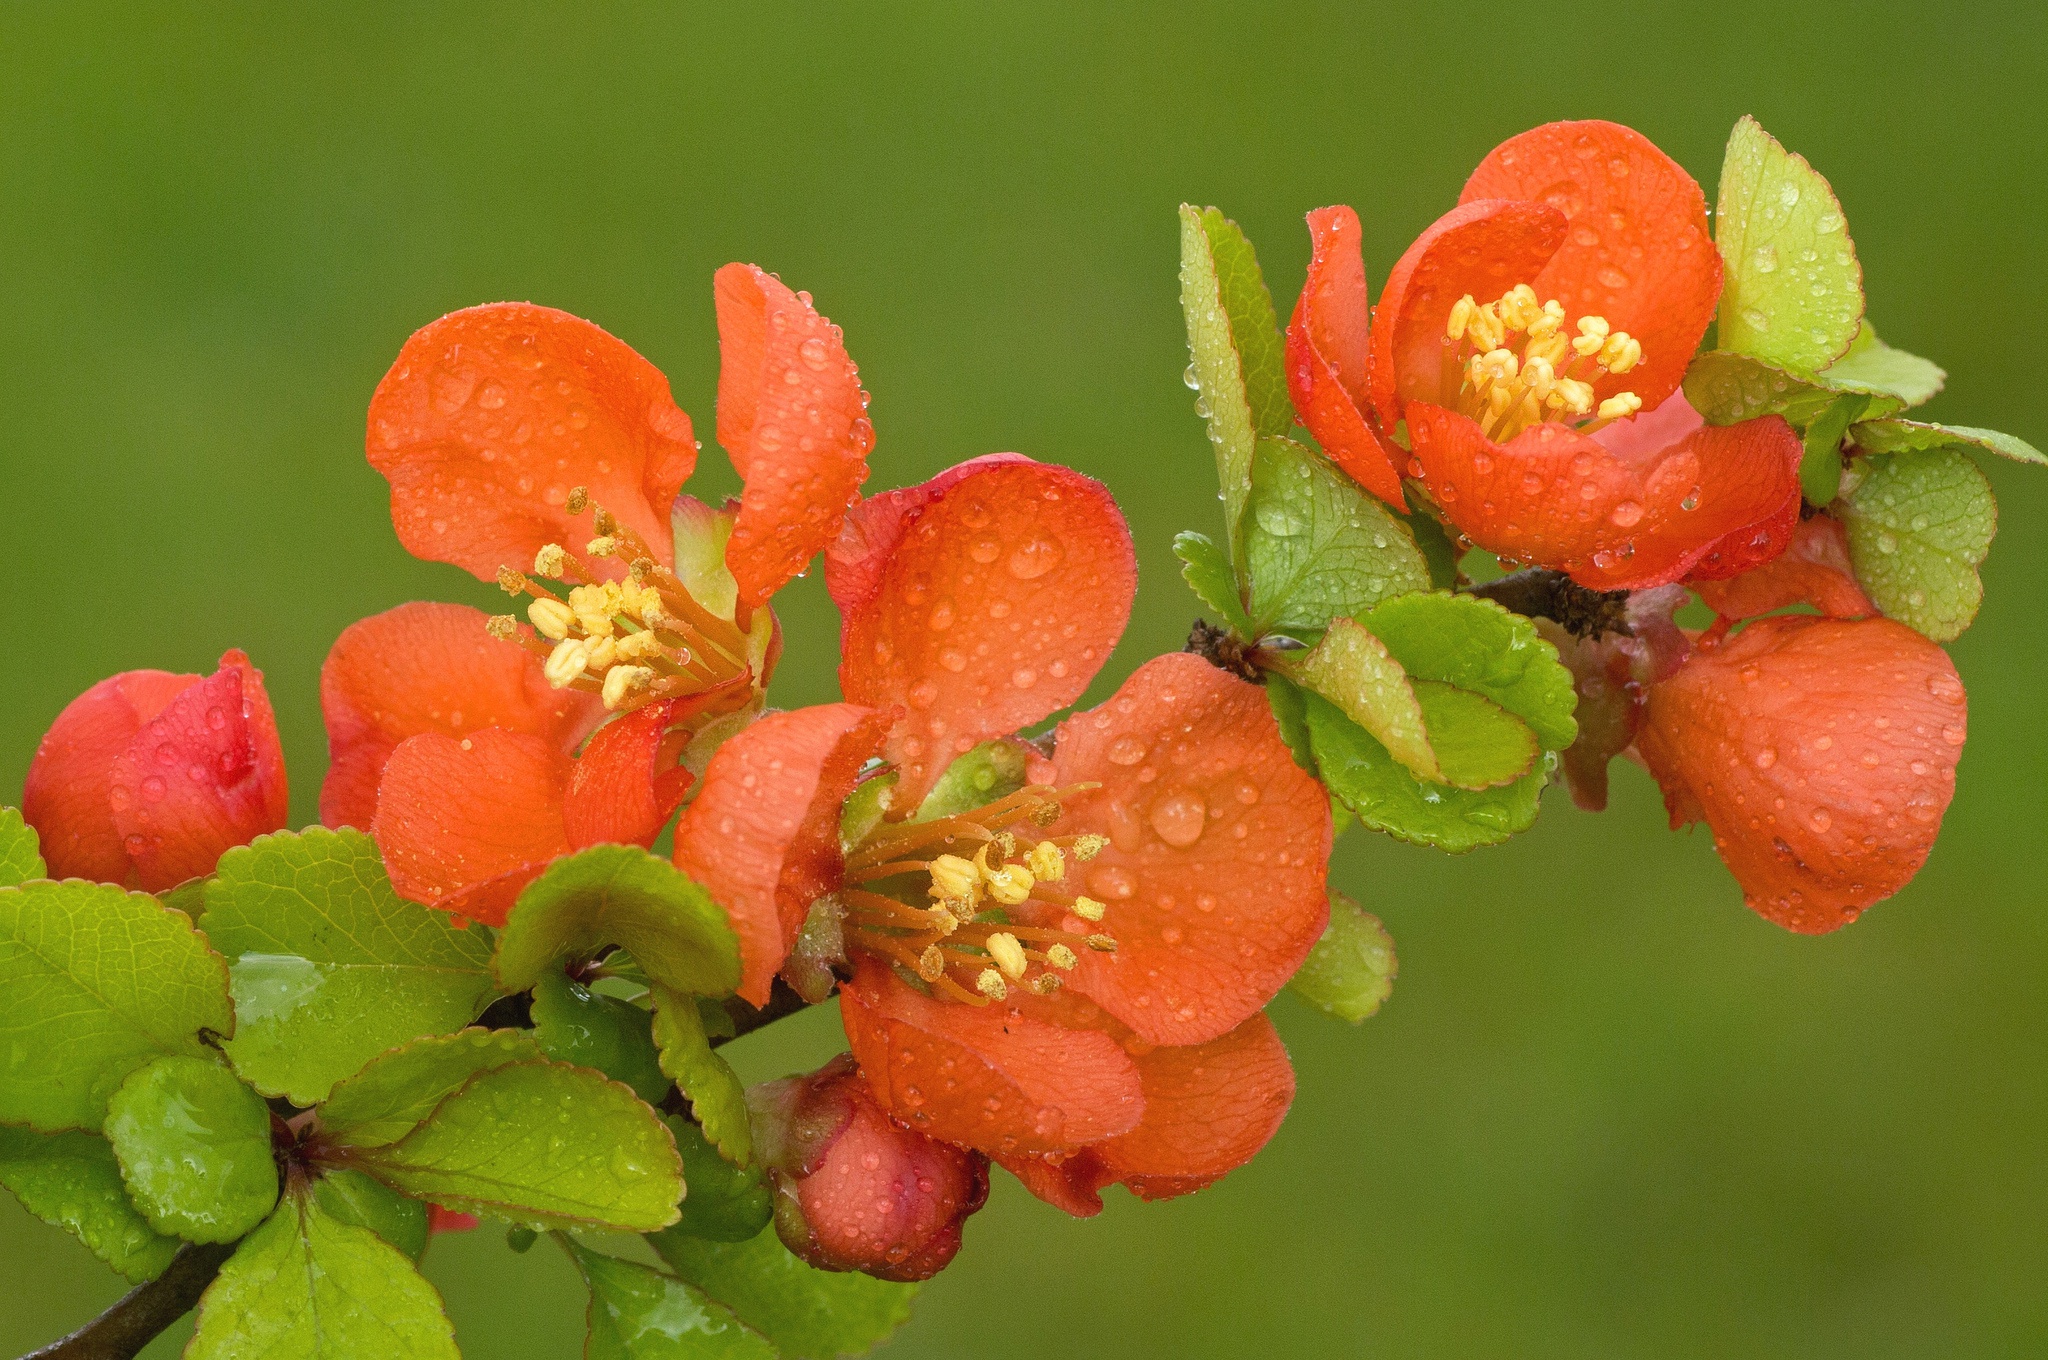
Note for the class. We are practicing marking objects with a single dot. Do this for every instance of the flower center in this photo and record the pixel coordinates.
(634, 642)
(1512, 365)
(937, 897)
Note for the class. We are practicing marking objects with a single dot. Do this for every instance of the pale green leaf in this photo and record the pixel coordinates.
(1317, 546)
(572, 1024)
(1219, 376)
(1209, 574)
(1288, 711)
(622, 895)
(700, 533)
(364, 1202)
(1478, 744)
(1918, 525)
(1475, 644)
(1254, 325)
(716, 1097)
(641, 1314)
(1907, 436)
(808, 1314)
(20, 850)
(1353, 670)
(864, 808)
(992, 770)
(72, 1181)
(94, 983)
(1892, 378)
(1727, 388)
(724, 1202)
(393, 1095)
(194, 1148)
(1350, 971)
(1820, 468)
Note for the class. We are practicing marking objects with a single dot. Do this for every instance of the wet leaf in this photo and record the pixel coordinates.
(1350, 971)
(390, 1097)
(641, 1314)
(361, 1201)
(1218, 373)
(20, 850)
(194, 1148)
(1209, 574)
(992, 770)
(1820, 469)
(1317, 546)
(72, 1181)
(865, 808)
(574, 1025)
(1726, 388)
(620, 895)
(1254, 325)
(1478, 744)
(1907, 436)
(809, 1314)
(716, 1097)
(1477, 645)
(1918, 525)
(725, 1203)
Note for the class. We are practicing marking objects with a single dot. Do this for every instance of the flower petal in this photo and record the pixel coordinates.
(1208, 1109)
(1814, 570)
(1637, 251)
(1482, 248)
(762, 836)
(1328, 342)
(985, 600)
(427, 667)
(490, 416)
(621, 791)
(66, 795)
(1612, 515)
(465, 823)
(793, 418)
(1219, 845)
(997, 1078)
(1821, 752)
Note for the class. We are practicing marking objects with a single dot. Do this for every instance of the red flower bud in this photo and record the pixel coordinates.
(147, 777)
(855, 1190)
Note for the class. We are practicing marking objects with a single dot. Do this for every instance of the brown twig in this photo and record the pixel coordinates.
(1541, 593)
(123, 1330)
(783, 1001)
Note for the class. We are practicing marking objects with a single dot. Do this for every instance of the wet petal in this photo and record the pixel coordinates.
(1327, 346)
(66, 795)
(427, 667)
(1219, 845)
(467, 822)
(793, 418)
(1636, 250)
(1821, 752)
(491, 415)
(1208, 1109)
(1814, 570)
(762, 836)
(626, 784)
(984, 600)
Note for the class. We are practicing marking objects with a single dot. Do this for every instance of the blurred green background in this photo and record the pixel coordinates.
(1608, 1112)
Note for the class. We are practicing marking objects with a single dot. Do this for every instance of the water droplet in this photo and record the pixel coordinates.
(1126, 750)
(1764, 259)
(1766, 758)
(985, 550)
(814, 353)
(1626, 514)
(1023, 677)
(953, 660)
(1691, 502)
(1112, 884)
(1034, 558)
(923, 694)
(152, 789)
(1179, 817)
(492, 397)
(1887, 543)
(1188, 376)
(941, 616)
(1820, 819)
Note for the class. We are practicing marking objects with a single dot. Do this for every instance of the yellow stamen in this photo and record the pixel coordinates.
(1102, 944)
(1009, 884)
(931, 964)
(1088, 846)
(565, 663)
(1045, 984)
(955, 879)
(990, 984)
(551, 561)
(1008, 954)
(1088, 909)
(1047, 862)
(622, 683)
(1620, 405)
(1059, 956)
(551, 618)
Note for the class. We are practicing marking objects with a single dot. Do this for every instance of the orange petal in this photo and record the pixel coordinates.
(1616, 515)
(626, 784)
(793, 418)
(1327, 347)
(1637, 250)
(1813, 570)
(67, 793)
(1482, 248)
(1821, 752)
(1070, 1183)
(985, 600)
(465, 823)
(996, 1078)
(762, 836)
(491, 415)
(1208, 1109)
(1219, 846)
(429, 668)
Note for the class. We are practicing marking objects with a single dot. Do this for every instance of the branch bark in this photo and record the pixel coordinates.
(146, 1310)
(1538, 592)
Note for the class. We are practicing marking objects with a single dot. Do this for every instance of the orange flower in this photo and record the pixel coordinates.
(1820, 752)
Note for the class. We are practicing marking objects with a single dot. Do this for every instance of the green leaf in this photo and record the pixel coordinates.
(543, 1144)
(1907, 436)
(1358, 770)
(306, 1286)
(1478, 744)
(1350, 972)
(1892, 378)
(1436, 547)
(1919, 523)
(1353, 670)
(641, 1314)
(188, 897)
(363, 1202)
(1219, 377)
(1820, 469)
(72, 1181)
(622, 895)
(1792, 293)
(1726, 388)
(808, 1313)
(1209, 574)
(94, 983)
(725, 1203)
(1317, 546)
(992, 770)
(20, 850)
(865, 807)
(393, 1095)
(1291, 714)
(329, 965)
(574, 1025)
(1254, 325)
(716, 1097)
(194, 1146)
(1475, 644)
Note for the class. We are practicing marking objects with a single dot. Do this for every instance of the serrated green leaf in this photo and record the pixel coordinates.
(1907, 436)
(1892, 378)
(1254, 325)
(1475, 644)
(725, 1203)
(94, 983)
(188, 897)
(809, 1314)
(716, 1097)
(1317, 546)
(1353, 670)
(1438, 552)
(622, 895)
(1918, 524)
(1219, 376)
(1726, 388)
(21, 856)
(1820, 468)
(865, 807)
(1792, 291)
(1209, 574)
(641, 1314)
(194, 1148)
(1478, 744)
(364, 1202)
(72, 1181)
(992, 770)
(542, 1144)
(329, 966)
(307, 1287)
(1358, 770)
(574, 1025)
(1350, 971)
(1288, 711)
(393, 1095)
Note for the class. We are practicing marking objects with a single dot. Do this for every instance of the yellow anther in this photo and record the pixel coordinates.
(640, 647)
(604, 545)
(955, 879)
(1460, 318)
(1592, 334)
(511, 582)
(1059, 956)
(1519, 309)
(579, 500)
(1009, 884)
(1500, 364)
(622, 683)
(1102, 944)
(565, 663)
(931, 965)
(1087, 847)
(942, 918)
(1046, 862)
(1538, 376)
(1621, 353)
(1044, 814)
(1088, 909)
(1619, 405)
(990, 984)
(1549, 348)
(504, 627)
(603, 651)
(1045, 984)
(1485, 329)
(1577, 396)
(963, 909)
(1499, 400)
(551, 561)
(551, 618)
(1008, 954)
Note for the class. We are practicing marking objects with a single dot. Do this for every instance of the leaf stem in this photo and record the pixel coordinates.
(783, 1001)
(1538, 592)
(145, 1311)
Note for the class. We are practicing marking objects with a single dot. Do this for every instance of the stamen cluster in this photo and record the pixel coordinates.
(1506, 391)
